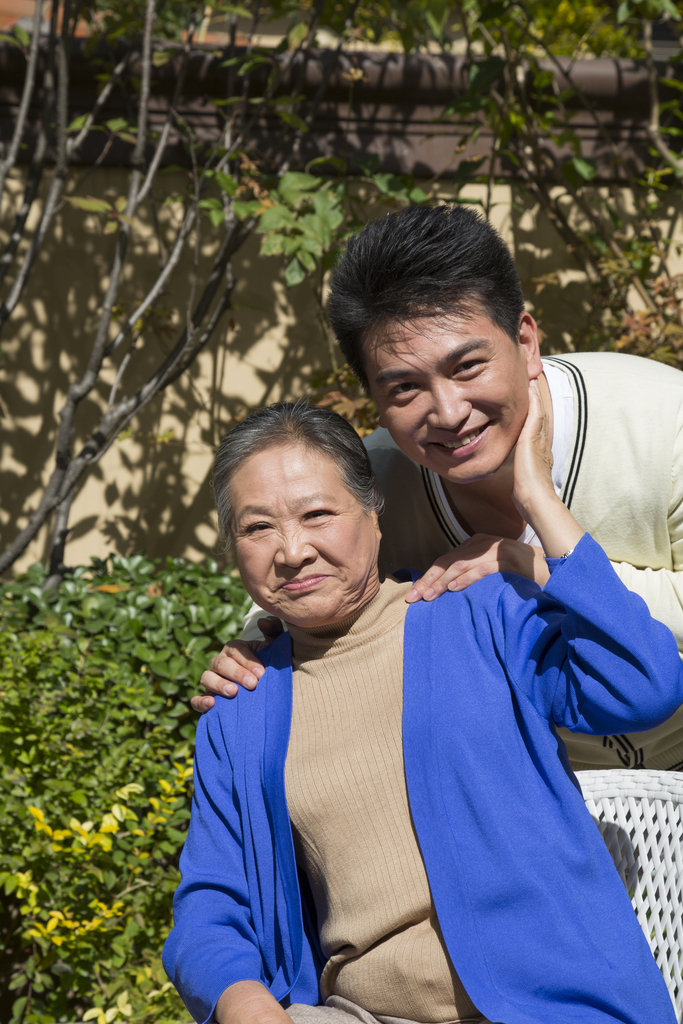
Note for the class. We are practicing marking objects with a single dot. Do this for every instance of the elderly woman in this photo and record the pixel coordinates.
(388, 828)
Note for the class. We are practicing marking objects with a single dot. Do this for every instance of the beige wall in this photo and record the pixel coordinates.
(150, 494)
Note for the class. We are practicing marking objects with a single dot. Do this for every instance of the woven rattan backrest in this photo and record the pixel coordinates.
(639, 814)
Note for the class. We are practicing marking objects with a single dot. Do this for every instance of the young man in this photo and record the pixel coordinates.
(428, 309)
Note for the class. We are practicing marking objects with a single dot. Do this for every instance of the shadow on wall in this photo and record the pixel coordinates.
(151, 490)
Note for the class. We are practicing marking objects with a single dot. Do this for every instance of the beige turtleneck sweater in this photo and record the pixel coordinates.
(353, 831)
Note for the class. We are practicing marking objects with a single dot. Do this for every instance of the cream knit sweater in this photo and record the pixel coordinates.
(353, 832)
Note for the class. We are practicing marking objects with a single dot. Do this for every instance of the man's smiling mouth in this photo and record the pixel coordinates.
(462, 441)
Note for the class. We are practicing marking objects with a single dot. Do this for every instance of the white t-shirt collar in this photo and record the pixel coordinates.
(562, 398)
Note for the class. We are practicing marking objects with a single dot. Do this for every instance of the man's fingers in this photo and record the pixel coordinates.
(425, 583)
(238, 663)
(477, 572)
(446, 581)
(202, 704)
(225, 671)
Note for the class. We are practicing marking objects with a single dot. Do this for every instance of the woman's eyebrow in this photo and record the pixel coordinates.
(295, 505)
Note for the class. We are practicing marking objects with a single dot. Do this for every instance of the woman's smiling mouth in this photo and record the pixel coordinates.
(303, 583)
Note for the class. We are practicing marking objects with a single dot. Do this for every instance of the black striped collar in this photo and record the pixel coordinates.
(453, 533)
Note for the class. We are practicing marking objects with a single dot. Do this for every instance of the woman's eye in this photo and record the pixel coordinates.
(257, 527)
(318, 513)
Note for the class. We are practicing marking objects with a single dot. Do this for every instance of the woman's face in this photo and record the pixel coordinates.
(306, 550)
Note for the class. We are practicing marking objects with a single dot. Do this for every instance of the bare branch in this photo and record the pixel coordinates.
(35, 173)
(27, 93)
(59, 175)
(653, 126)
(158, 285)
(73, 144)
(163, 139)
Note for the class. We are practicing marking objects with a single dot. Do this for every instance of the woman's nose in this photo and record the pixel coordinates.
(293, 549)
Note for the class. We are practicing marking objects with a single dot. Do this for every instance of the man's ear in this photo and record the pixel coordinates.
(528, 339)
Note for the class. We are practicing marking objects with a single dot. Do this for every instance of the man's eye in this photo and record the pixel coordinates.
(404, 388)
(470, 364)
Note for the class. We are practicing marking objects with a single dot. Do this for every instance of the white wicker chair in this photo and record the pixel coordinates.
(640, 816)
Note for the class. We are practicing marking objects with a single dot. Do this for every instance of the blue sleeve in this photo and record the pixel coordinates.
(213, 943)
(585, 649)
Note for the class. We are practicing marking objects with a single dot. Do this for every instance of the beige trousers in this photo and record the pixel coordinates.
(338, 1010)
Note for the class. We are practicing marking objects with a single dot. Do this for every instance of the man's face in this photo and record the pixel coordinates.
(453, 392)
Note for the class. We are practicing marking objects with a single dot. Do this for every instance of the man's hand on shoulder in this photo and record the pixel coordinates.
(237, 664)
(476, 558)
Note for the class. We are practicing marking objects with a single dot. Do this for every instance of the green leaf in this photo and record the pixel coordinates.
(4, 38)
(325, 161)
(255, 61)
(466, 170)
(623, 11)
(293, 120)
(161, 57)
(307, 259)
(417, 196)
(369, 164)
(239, 12)
(275, 219)
(484, 73)
(77, 123)
(329, 208)
(216, 217)
(294, 273)
(437, 20)
(585, 168)
(493, 11)
(272, 245)
(388, 184)
(246, 209)
(90, 203)
(294, 184)
(227, 183)
(116, 124)
(297, 34)
(22, 35)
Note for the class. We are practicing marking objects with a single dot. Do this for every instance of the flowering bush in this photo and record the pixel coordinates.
(96, 743)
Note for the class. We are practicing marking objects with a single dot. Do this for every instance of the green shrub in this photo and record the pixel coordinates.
(96, 743)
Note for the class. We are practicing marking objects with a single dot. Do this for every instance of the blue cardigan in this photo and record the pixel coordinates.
(535, 918)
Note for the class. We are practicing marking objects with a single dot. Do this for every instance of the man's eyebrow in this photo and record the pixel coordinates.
(390, 376)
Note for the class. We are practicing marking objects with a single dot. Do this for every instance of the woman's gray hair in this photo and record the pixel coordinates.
(294, 423)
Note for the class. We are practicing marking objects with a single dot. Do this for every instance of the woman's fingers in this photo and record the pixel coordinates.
(202, 704)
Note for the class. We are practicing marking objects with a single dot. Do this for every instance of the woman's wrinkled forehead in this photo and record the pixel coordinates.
(285, 475)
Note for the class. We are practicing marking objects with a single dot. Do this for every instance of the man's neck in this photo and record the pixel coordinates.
(486, 506)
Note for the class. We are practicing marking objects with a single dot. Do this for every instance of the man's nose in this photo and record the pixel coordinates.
(449, 407)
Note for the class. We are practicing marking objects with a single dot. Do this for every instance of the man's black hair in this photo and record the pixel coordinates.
(424, 261)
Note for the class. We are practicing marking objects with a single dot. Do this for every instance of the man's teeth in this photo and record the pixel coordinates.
(462, 441)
